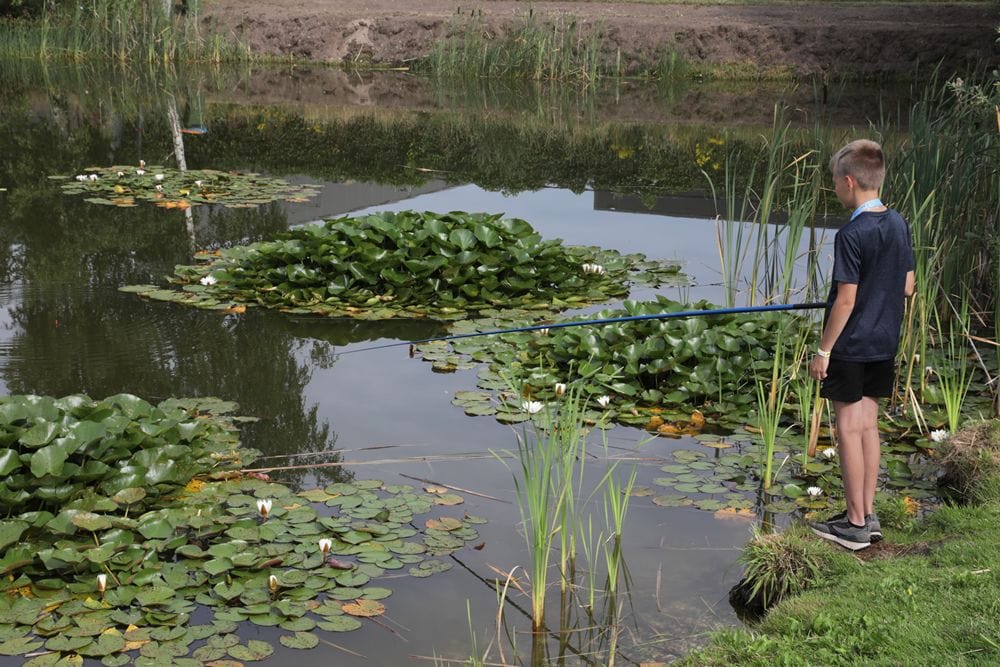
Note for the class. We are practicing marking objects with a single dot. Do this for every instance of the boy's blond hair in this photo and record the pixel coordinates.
(863, 160)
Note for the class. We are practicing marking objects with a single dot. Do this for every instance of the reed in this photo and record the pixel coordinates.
(546, 490)
(616, 501)
(114, 30)
(562, 49)
(954, 374)
(771, 399)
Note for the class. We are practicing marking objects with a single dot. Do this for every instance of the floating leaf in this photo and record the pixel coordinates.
(252, 651)
(364, 607)
(339, 624)
(300, 640)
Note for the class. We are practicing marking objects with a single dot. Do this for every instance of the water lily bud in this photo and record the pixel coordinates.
(102, 582)
(140, 172)
(272, 583)
(142, 164)
(120, 174)
(264, 507)
(325, 545)
(532, 407)
(829, 452)
(560, 389)
(939, 435)
(604, 401)
(158, 177)
(814, 491)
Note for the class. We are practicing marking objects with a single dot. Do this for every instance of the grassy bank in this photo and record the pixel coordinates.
(930, 595)
(567, 49)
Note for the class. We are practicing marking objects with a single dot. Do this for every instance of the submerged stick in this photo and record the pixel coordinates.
(430, 458)
(454, 488)
(817, 413)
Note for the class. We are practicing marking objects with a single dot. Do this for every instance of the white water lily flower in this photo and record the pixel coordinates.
(158, 177)
(120, 174)
(598, 269)
(325, 545)
(544, 331)
(604, 401)
(264, 507)
(140, 172)
(586, 268)
(208, 280)
(532, 407)
(560, 389)
(81, 177)
(93, 177)
(102, 582)
(142, 164)
(198, 183)
(829, 452)
(939, 435)
(272, 583)
(814, 491)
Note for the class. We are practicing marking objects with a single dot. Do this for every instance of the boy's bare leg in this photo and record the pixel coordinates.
(871, 447)
(851, 419)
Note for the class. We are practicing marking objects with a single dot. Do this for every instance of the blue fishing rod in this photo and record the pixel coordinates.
(609, 320)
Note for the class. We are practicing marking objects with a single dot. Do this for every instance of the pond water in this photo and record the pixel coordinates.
(373, 143)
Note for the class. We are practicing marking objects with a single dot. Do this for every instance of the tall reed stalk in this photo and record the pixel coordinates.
(771, 399)
(954, 373)
(546, 493)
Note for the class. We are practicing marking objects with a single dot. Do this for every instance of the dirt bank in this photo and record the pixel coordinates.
(812, 38)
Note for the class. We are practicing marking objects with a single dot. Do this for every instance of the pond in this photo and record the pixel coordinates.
(379, 143)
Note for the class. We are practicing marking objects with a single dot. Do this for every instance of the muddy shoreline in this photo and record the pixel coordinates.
(865, 40)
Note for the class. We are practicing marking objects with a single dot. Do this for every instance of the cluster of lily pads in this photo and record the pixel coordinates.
(124, 186)
(409, 264)
(152, 523)
(722, 476)
(669, 365)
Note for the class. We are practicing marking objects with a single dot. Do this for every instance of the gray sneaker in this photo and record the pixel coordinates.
(871, 523)
(840, 530)
(874, 527)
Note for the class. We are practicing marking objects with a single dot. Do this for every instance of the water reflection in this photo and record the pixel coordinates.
(394, 142)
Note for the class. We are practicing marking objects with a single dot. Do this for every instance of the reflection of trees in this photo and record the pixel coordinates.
(74, 332)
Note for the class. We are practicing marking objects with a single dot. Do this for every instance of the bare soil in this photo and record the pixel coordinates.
(865, 39)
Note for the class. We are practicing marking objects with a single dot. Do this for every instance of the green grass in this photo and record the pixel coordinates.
(935, 602)
(115, 31)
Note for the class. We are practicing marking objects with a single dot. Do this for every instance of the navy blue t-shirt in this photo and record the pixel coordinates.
(874, 252)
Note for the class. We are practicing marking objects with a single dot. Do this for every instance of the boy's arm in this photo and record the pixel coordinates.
(910, 282)
(840, 312)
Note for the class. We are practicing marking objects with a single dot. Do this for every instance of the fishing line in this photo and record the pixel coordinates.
(609, 320)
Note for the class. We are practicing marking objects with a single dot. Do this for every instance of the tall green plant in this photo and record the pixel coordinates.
(954, 374)
(771, 398)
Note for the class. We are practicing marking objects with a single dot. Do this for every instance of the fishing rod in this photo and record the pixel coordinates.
(609, 320)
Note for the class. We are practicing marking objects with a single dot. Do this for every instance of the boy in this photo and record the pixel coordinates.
(872, 276)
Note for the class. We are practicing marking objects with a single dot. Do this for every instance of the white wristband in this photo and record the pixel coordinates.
(823, 353)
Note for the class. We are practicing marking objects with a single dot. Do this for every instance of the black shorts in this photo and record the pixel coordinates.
(849, 381)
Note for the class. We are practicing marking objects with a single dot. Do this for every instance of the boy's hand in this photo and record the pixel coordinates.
(817, 369)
